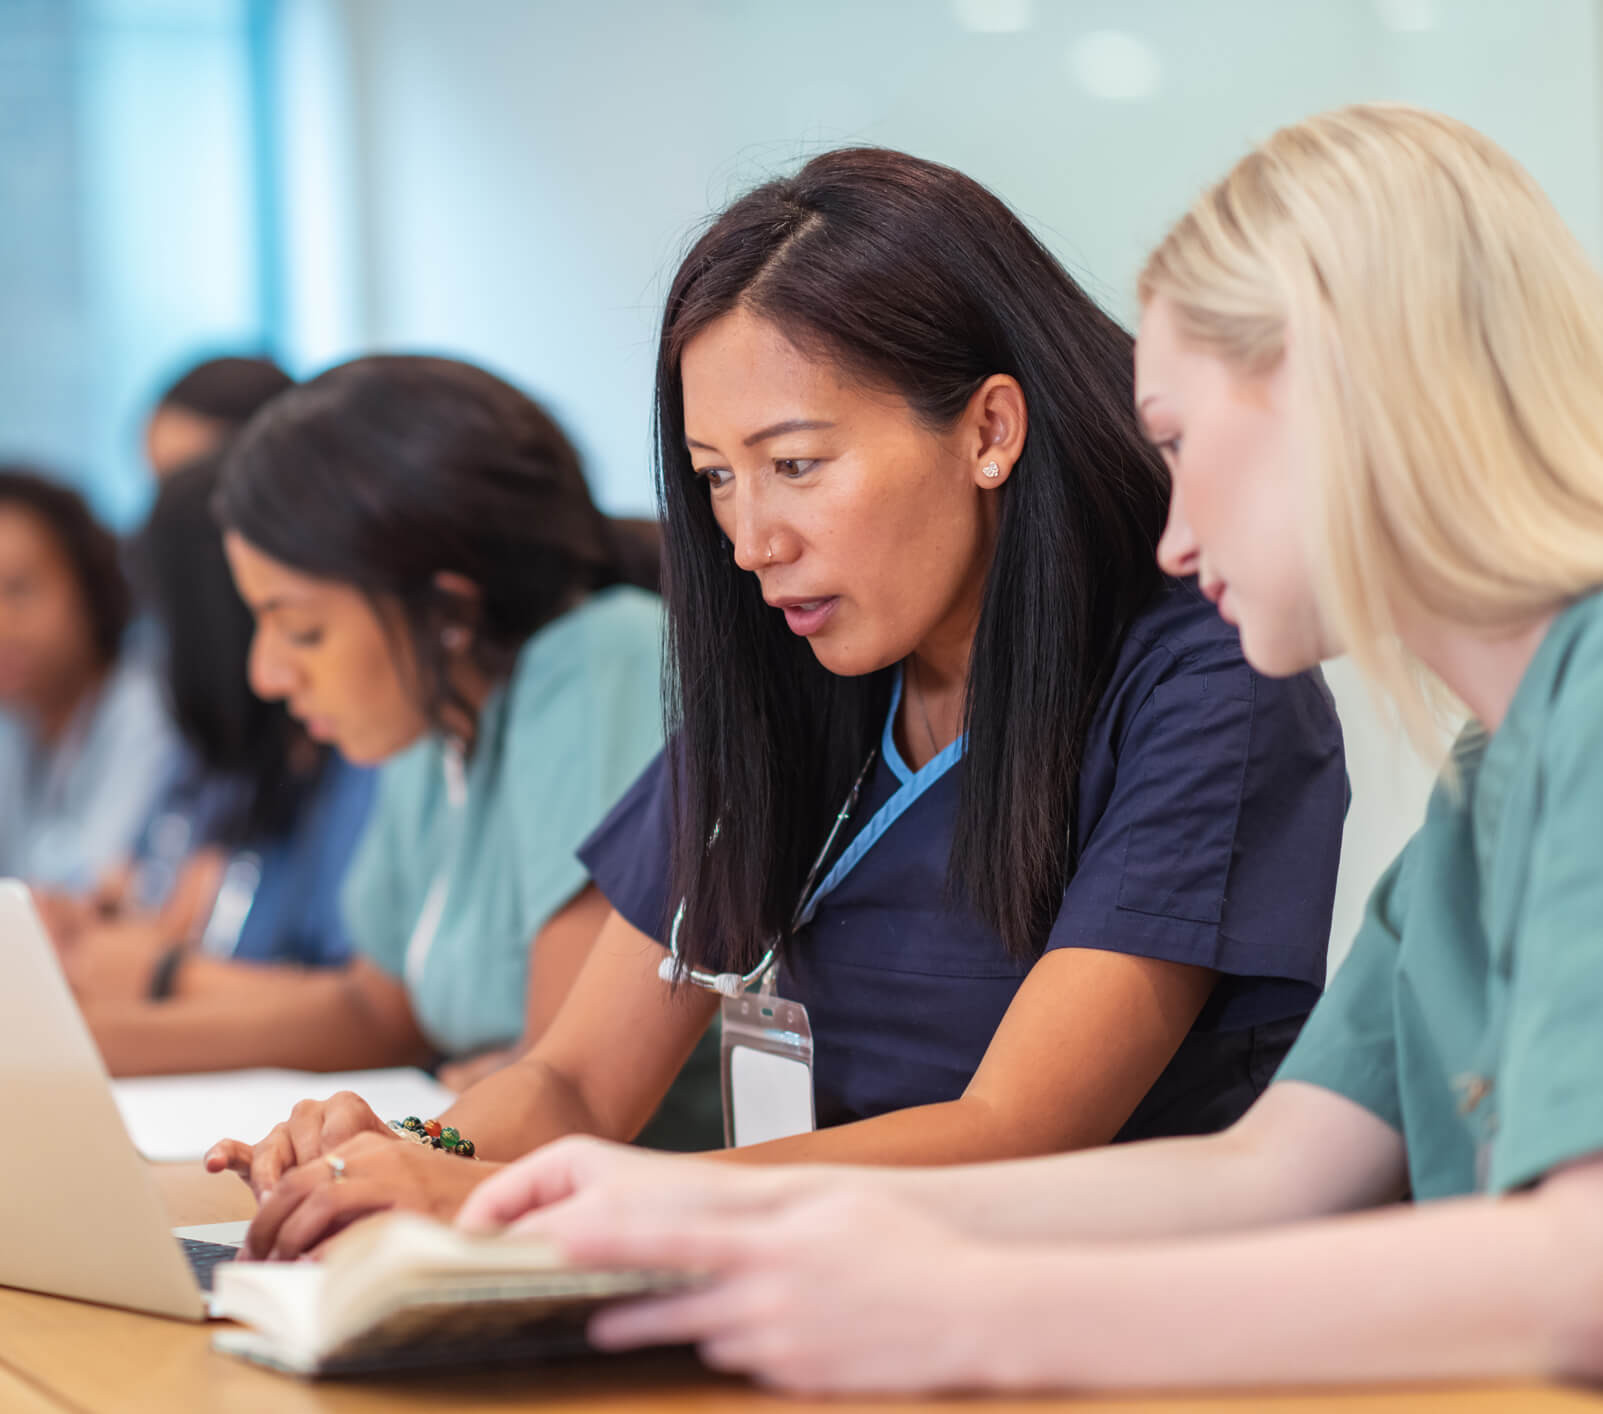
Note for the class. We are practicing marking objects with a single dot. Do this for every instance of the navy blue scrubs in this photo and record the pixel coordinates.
(1211, 802)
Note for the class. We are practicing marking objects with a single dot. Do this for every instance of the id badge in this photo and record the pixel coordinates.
(767, 1054)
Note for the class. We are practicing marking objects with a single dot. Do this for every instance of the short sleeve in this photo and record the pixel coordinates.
(1349, 1043)
(1218, 840)
(1550, 1099)
(376, 897)
(628, 854)
(587, 717)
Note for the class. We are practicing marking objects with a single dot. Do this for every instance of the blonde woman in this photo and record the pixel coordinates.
(1373, 357)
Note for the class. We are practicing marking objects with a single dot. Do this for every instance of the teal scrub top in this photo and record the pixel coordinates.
(1469, 1014)
(578, 720)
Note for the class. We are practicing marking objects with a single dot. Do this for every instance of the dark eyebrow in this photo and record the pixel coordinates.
(278, 601)
(794, 424)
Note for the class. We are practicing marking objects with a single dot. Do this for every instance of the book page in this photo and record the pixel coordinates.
(402, 1291)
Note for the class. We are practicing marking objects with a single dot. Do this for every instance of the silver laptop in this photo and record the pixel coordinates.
(80, 1214)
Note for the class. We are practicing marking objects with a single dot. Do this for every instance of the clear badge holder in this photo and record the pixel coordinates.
(767, 1066)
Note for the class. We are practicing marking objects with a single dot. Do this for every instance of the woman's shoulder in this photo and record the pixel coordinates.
(133, 688)
(1180, 624)
(615, 632)
(1179, 634)
(1558, 705)
(620, 614)
(130, 717)
(1569, 661)
(1178, 643)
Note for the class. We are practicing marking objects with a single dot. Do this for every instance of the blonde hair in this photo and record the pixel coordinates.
(1447, 332)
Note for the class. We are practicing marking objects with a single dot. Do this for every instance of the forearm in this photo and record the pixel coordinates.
(1473, 1288)
(958, 1132)
(521, 1107)
(1300, 1152)
(213, 977)
(320, 1024)
(1161, 1188)
(603, 1067)
(1169, 1187)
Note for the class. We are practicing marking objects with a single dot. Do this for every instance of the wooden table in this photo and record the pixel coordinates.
(58, 1355)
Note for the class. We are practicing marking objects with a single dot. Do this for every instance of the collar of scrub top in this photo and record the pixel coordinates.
(913, 785)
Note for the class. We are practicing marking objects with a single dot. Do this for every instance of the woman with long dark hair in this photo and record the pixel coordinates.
(965, 798)
(434, 593)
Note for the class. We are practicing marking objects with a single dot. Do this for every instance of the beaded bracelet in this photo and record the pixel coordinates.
(434, 1134)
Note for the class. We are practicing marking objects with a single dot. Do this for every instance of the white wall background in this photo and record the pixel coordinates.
(513, 180)
(128, 222)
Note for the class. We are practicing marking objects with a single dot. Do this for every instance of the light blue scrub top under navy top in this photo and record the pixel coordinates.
(1210, 808)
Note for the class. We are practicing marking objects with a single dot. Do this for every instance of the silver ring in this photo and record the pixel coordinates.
(337, 1164)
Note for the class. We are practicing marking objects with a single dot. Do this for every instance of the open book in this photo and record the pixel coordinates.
(403, 1292)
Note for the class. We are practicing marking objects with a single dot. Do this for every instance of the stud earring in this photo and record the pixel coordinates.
(454, 639)
(990, 471)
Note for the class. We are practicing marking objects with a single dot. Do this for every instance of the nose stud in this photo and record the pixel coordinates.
(990, 471)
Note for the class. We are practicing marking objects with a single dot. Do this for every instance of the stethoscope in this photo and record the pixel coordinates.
(732, 984)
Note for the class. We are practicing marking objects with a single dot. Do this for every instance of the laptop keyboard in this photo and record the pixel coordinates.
(204, 1257)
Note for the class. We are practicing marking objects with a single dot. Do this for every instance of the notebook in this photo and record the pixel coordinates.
(176, 1118)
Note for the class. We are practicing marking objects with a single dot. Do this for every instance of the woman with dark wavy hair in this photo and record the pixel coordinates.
(434, 594)
(992, 806)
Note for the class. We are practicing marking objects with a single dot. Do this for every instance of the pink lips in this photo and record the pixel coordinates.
(318, 728)
(805, 617)
(1215, 592)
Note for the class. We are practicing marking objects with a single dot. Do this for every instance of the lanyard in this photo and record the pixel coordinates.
(427, 928)
(236, 896)
(914, 784)
(732, 984)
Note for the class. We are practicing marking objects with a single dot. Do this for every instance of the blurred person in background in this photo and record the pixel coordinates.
(433, 590)
(200, 411)
(243, 856)
(85, 742)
